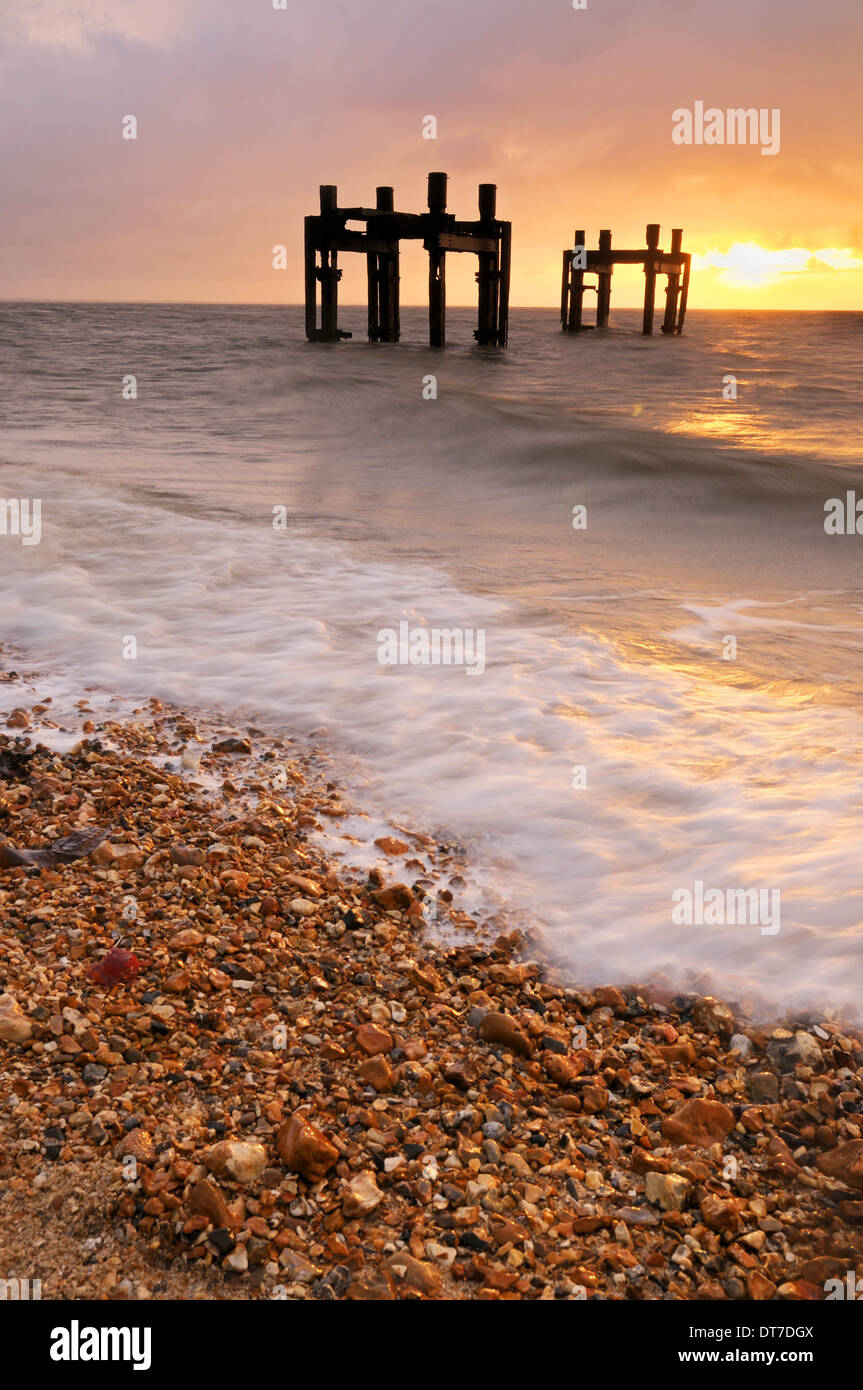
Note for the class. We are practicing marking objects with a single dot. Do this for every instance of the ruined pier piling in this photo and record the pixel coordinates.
(327, 234)
(579, 261)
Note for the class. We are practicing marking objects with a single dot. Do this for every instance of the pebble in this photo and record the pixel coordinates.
(319, 1094)
(699, 1122)
(14, 1026)
(844, 1163)
(304, 1149)
(361, 1195)
(805, 1049)
(243, 1162)
(501, 1028)
(374, 1040)
(206, 1199)
(711, 1015)
(667, 1190)
(762, 1087)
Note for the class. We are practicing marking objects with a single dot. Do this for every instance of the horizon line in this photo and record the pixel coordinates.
(270, 304)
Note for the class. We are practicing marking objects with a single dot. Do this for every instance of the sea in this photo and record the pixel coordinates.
(632, 530)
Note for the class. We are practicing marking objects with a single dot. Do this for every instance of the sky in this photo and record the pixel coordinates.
(243, 109)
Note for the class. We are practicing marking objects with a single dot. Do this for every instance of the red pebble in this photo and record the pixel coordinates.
(115, 966)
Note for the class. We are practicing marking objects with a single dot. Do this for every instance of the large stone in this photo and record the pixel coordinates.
(822, 1268)
(404, 1269)
(302, 907)
(666, 1190)
(361, 1195)
(762, 1087)
(243, 1162)
(609, 997)
(560, 1070)
(373, 1040)
(206, 1200)
(713, 1016)
(699, 1122)
(594, 1099)
(305, 1149)
(679, 1054)
(397, 896)
(508, 1032)
(370, 1286)
(720, 1215)
(14, 1026)
(799, 1291)
(761, 1289)
(390, 845)
(845, 1163)
(378, 1073)
(780, 1158)
(805, 1050)
(111, 856)
(298, 1268)
(307, 886)
(186, 939)
(232, 745)
(187, 856)
(137, 1144)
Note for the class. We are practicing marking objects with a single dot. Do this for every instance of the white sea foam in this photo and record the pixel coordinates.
(687, 778)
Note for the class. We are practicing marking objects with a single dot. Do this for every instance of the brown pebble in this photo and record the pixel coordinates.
(373, 1040)
(305, 1149)
(500, 1028)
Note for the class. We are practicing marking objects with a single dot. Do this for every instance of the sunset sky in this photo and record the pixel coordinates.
(243, 110)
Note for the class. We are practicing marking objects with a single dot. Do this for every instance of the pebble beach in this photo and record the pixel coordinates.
(235, 1067)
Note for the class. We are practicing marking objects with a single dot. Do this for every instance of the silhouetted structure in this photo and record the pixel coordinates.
(327, 234)
(601, 263)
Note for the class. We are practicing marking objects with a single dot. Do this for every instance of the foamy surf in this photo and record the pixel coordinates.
(587, 784)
